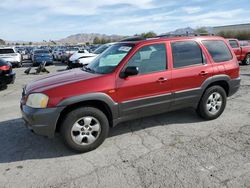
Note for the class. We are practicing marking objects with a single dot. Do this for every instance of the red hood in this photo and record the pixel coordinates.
(58, 79)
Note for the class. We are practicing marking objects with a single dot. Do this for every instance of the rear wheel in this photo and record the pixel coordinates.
(247, 60)
(212, 103)
(84, 129)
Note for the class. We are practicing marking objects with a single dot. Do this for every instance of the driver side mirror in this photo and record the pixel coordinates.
(129, 71)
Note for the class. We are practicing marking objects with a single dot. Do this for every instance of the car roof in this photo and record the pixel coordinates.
(157, 39)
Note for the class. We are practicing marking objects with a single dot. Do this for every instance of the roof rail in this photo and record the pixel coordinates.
(134, 38)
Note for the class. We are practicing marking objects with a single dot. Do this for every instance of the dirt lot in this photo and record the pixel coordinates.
(176, 149)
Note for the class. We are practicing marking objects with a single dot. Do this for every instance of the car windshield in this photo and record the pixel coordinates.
(101, 49)
(107, 61)
(41, 52)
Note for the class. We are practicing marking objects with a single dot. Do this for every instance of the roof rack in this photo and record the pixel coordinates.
(140, 38)
(135, 38)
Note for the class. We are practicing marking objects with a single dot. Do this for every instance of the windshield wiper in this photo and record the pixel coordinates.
(87, 69)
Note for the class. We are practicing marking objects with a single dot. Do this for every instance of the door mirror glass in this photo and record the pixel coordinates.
(130, 71)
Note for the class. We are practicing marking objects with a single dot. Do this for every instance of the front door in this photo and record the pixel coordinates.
(149, 92)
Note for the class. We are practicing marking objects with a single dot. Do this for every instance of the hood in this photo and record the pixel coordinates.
(78, 55)
(58, 79)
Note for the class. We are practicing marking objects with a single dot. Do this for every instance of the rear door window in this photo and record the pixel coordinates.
(233, 43)
(186, 53)
(218, 50)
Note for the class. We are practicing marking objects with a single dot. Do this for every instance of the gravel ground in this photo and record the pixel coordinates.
(176, 149)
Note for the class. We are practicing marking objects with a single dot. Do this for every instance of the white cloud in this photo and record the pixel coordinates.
(71, 7)
(191, 10)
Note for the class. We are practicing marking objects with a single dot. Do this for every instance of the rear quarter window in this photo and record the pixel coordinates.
(218, 50)
(233, 43)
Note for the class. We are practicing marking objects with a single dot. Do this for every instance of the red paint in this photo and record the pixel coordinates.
(77, 82)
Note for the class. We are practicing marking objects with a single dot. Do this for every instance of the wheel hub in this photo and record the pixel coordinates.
(214, 103)
(85, 130)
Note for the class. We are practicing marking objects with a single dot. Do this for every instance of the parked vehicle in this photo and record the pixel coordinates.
(67, 53)
(7, 76)
(244, 43)
(86, 58)
(40, 56)
(242, 52)
(10, 55)
(131, 80)
(58, 54)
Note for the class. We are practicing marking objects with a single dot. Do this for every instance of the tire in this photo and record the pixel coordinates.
(246, 60)
(78, 131)
(209, 107)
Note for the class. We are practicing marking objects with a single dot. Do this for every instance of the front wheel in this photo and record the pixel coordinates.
(247, 60)
(212, 103)
(84, 129)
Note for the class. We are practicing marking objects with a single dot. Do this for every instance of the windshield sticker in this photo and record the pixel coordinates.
(124, 48)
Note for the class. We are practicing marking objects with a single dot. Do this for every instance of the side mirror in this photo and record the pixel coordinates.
(130, 71)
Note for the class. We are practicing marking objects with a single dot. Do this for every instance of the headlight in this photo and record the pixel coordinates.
(37, 100)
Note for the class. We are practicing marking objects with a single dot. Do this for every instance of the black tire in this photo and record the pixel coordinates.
(73, 117)
(246, 61)
(202, 107)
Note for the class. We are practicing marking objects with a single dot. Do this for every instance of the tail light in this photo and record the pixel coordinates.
(5, 67)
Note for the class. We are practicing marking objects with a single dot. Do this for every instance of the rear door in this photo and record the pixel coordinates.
(190, 70)
(149, 92)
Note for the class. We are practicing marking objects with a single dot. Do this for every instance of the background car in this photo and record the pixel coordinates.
(67, 53)
(40, 56)
(7, 76)
(86, 58)
(10, 55)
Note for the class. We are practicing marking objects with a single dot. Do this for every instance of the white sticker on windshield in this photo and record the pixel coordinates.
(124, 48)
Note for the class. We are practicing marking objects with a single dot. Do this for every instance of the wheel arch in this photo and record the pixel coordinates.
(220, 80)
(100, 101)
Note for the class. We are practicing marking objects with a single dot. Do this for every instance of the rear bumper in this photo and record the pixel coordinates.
(41, 121)
(234, 86)
(8, 78)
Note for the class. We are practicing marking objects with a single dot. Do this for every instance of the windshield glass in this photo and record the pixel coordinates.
(107, 61)
(101, 49)
(41, 52)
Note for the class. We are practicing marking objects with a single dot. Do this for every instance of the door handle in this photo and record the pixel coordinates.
(203, 73)
(162, 79)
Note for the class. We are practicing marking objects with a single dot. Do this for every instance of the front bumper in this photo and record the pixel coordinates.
(234, 86)
(39, 61)
(41, 121)
(8, 78)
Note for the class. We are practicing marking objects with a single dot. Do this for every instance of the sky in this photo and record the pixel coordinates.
(37, 20)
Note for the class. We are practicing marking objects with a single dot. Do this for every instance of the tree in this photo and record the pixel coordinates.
(201, 31)
(2, 42)
(97, 40)
(149, 34)
(241, 35)
(30, 43)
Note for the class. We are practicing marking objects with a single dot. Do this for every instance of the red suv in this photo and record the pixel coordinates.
(129, 80)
